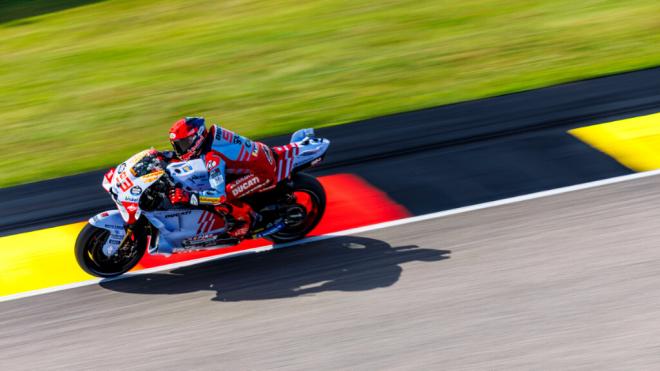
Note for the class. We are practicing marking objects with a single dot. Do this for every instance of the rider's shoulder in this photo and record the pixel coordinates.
(223, 136)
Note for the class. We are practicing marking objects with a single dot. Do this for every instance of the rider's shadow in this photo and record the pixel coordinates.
(337, 264)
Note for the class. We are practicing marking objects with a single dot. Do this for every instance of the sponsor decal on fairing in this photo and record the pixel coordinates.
(178, 214)
(151, 177)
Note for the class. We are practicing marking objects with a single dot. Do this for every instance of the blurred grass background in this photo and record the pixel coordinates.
(87, 83)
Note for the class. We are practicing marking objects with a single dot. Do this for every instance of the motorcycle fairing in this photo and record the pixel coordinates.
(126, 185)
(184, 229)
(310, 150)
(178, 230)
(113, 222)
(303, 150)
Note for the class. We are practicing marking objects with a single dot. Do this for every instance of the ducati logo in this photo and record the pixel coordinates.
(245, 185)
(172, 135)
(211, 164)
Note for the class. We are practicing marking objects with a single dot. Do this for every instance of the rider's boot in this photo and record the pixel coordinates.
(239, 217)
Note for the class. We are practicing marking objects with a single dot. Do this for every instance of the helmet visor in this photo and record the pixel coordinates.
(182, 146)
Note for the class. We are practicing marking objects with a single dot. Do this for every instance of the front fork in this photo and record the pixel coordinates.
(129, 236)
(113, 222)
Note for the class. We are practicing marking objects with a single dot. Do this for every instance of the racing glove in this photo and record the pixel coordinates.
(179, 196)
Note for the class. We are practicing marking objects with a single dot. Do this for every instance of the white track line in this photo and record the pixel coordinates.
(372, 227)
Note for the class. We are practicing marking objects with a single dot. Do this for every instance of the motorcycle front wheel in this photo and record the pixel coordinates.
(305, 212)
(90, 256)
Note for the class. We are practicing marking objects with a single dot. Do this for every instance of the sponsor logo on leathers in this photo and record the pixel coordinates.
(240, 188)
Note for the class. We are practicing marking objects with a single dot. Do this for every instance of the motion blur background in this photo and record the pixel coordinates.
(86, 83)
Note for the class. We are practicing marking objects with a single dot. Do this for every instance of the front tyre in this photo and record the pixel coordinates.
(305, 212)
(90, 256)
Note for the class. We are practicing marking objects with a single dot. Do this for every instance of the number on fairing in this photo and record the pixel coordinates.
(125, 183)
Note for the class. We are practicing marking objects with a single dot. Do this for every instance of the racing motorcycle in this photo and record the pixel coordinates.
(145, 221)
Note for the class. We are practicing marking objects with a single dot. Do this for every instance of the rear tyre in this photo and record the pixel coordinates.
(90, 256)
(305, 212)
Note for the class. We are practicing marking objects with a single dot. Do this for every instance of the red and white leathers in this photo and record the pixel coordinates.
(250, 167)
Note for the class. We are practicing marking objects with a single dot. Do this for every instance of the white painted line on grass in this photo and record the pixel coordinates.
(372, 227)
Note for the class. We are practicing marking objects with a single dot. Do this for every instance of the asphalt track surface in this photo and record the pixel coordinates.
(563, 282)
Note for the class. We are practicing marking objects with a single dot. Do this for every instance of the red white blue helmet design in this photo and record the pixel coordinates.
(187, 137)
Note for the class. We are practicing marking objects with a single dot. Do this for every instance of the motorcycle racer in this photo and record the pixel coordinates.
(249, 165)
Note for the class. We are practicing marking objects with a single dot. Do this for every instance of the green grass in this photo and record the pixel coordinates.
(86, 86)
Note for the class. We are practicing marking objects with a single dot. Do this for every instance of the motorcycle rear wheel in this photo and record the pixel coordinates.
(90, 256)
(310, 197)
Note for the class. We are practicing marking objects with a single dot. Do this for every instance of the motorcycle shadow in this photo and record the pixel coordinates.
(338, 264)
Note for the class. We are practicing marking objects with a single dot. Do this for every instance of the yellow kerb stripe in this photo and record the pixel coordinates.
(633, 142)
(39, 259)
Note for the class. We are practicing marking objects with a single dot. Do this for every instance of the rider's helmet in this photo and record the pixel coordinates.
(187, 136)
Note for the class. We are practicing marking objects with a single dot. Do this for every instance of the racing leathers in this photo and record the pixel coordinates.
(237, 167)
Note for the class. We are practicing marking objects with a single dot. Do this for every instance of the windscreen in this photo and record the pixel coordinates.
(147, 165)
